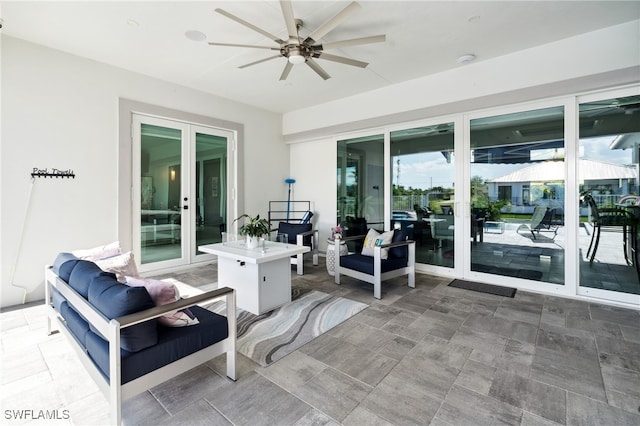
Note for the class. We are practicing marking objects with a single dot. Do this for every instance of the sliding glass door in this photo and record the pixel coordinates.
(180, 180)
(608, 226)
(423, 190)
(360, 185)
(517, 198)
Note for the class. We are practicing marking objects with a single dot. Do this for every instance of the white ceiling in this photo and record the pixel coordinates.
(423, 37)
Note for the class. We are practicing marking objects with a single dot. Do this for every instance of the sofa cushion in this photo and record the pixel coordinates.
(173, 344)
(364, 264)
(293, 229)
(114, 300)
(398, 252)
(57, 299)
(82, 275)
(75, 323)
(63, 265)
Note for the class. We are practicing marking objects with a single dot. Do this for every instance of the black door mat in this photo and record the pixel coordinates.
(484, 288)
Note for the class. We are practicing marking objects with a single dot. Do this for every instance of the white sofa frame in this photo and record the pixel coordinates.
(113, 389)
(377, 277)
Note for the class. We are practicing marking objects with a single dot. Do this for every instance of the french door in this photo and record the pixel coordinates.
(180, 190)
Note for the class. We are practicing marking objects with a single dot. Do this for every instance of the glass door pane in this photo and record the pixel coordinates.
(210, 209)
(161, 180)
(609, 135)
(360, 180)
(422, 182)
(517, 177)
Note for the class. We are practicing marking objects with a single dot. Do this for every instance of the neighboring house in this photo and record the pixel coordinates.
(543, 183)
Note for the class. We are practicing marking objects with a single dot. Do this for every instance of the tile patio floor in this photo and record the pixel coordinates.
(434, 355)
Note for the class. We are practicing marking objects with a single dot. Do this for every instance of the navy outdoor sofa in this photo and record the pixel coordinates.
(113, 328)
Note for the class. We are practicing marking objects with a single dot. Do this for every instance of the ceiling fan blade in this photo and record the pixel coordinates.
(353, 42)
(318, 69)
(252, 46)
(251, 26)
(342, 60)
(286, 70)
(260, 61)
(289, 19)
(323, 29)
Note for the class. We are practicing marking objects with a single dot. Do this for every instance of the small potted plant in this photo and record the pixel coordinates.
(336, 232)
(253, 229)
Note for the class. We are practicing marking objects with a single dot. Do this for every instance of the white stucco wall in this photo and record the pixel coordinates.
(60, 110)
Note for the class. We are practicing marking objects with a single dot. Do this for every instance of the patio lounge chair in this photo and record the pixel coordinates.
(538, 222)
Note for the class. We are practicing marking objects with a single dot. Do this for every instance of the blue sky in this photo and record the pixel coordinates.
(431, 169)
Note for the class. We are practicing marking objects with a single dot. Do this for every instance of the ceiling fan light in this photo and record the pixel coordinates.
(296, 58)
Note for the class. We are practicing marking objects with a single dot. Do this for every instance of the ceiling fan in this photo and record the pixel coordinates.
(298, 50)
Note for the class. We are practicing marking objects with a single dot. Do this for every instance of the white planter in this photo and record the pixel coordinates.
(494, 227)
(253, 242)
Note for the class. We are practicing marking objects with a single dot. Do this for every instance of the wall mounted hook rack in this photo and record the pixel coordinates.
(54, 173)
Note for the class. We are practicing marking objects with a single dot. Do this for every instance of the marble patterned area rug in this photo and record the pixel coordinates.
(268, 337)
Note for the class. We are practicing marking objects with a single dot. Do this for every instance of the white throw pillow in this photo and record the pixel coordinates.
(373, 239)
(122, 265)
(370, 242)
(100, 252)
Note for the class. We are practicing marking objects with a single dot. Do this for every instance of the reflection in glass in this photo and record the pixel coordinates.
(360, 184)
(517, 195)
(422, 181)
(211, 194)
(160, 177)
(608, 172)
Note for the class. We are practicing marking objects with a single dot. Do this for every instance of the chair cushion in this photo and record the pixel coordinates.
(398, 252)
(114, 300)
(75, 323)
(364, 264)
(173, 344)
(293, 229)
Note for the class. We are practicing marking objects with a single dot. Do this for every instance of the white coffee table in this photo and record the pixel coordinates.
(260, 276)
